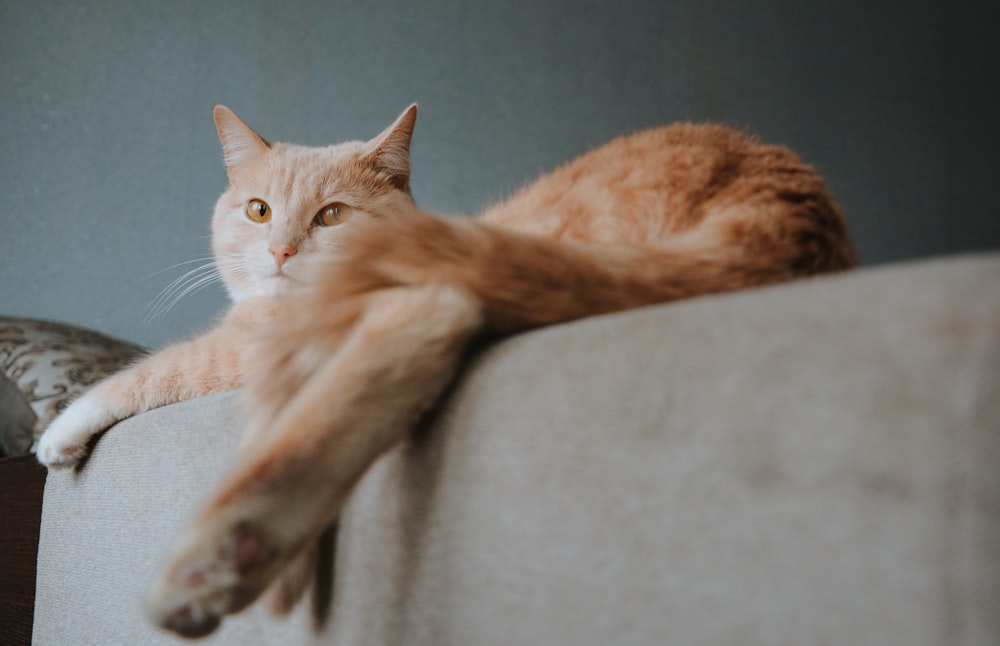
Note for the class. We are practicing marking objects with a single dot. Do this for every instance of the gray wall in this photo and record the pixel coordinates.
(110, 167)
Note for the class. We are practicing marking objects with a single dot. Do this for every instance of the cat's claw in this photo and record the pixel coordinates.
(212, 576)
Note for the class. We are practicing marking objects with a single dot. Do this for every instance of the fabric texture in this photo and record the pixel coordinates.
(52, 363)
(814, 463)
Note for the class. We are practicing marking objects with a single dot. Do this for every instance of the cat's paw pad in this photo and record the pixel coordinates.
(191, 621)
(211, 579)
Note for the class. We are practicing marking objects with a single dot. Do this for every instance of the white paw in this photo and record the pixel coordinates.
(64, 442)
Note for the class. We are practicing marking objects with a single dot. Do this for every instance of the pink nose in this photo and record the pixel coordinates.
(282, 253)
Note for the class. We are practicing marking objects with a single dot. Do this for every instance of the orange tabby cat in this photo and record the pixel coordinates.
(353, 309)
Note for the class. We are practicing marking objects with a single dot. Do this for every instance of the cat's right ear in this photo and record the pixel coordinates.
(239, 142)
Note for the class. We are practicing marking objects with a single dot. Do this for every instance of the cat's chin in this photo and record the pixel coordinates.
(263, 287)
(279, 284)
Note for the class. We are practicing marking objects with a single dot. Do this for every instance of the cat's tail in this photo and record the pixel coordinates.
(524, 281)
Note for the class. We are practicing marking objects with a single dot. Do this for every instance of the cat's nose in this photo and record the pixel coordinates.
(282, 253)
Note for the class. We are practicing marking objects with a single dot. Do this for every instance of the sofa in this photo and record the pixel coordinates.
(811, 463)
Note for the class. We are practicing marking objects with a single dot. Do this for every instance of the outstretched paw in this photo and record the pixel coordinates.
(65, 441)
(214, 575)
(55, 455)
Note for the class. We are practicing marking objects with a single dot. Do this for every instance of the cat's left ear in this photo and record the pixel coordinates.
(390, 151)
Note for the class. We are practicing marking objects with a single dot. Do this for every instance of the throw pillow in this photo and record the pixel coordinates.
(52, 363)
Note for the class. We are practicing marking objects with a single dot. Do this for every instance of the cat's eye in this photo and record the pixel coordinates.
(332, 214)
(258, 211)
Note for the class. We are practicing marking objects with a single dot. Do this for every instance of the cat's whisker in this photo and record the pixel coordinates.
(197, 286)
(167, 305)
(159, 304)
(167, 297)
(180, 280)
(155, 308)
(180, 264)
(234, 266)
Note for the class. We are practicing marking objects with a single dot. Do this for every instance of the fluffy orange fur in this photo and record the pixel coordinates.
(354, 308)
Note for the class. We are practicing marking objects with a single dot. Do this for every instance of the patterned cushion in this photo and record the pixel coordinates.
(52, 363)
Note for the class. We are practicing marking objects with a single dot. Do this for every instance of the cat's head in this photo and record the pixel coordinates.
(286, 204)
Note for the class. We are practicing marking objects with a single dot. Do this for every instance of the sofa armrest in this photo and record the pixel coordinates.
(809, 463)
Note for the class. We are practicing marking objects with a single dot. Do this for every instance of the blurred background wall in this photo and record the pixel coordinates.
(110, 166)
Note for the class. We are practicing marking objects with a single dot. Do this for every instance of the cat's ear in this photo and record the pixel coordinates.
(390, 151)
(239, 142)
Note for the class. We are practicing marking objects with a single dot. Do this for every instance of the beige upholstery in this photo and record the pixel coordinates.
(816, 463)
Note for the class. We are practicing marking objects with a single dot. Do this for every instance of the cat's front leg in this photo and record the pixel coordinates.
(65, 440)
(292, 482)
(205, 365)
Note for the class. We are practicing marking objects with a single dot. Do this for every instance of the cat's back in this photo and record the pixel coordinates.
(645, 187)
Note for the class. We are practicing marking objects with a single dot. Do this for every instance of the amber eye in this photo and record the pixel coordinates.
(333, 214)
(258, 211)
